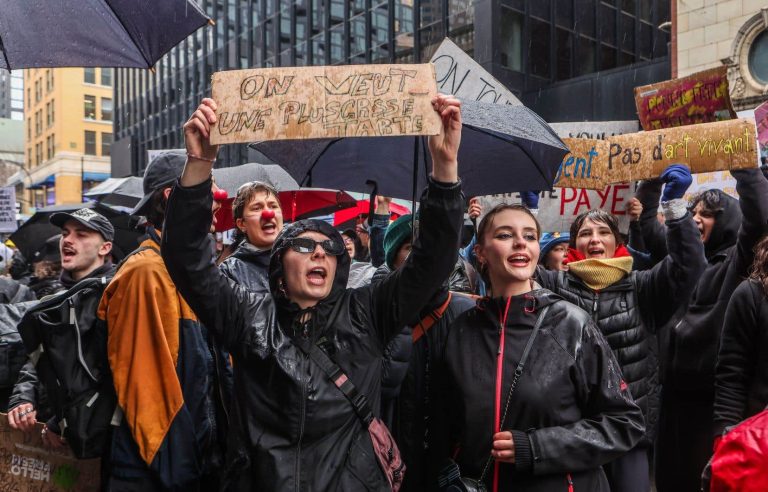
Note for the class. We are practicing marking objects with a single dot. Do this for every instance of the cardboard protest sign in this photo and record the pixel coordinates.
(599, 130)
(324, 102)
(577, 170)
(761, 120)
(458, 74)
(706, 147)
(26, 465)
(8, 209)
(702, 97)
(560, 207)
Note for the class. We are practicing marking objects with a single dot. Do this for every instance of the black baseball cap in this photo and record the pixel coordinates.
(160, 173)
(89, 218)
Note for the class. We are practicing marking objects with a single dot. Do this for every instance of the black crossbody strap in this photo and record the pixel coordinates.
(337, 376)
(518, 373)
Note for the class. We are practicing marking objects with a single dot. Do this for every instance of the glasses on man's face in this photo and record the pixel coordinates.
(348, 240)
(306, 245)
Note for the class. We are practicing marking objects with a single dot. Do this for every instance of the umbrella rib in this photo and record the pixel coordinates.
(5, 55)
(122, 24)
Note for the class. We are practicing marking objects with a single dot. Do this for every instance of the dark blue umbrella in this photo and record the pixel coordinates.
(93, 33)
(503, 149)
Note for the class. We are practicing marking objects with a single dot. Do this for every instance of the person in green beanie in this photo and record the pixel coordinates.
(406, 389)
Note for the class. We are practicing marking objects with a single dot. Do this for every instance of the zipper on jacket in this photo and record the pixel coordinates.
(499, 378)
(594, 306)
(301, 427)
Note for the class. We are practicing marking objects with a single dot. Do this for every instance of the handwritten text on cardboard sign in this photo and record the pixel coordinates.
(324, 102)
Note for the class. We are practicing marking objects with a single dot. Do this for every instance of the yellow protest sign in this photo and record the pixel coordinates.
(324, 102)
(707, 147)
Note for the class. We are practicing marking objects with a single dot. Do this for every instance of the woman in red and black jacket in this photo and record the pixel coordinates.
(570, 411)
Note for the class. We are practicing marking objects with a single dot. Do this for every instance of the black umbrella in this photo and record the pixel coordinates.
(123, 192)
(31, 236)
(232, 178)
(93, 33)
(503, 149)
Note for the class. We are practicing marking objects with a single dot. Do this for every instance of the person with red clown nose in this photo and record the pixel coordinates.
(259, 219)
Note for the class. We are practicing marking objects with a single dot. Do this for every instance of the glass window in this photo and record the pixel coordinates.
(106, 109)
(564, 47)
(628, 6)
(511, 39)
(585, 17)
(564, 13)
(106, 76)
(541, 8)
(646, 40)
(585, 56)
(539, 63)
(627, 33)
(90, 142)
(89, 76)
(607, 24)
(607, 57)
(645, 10)
(758, 58)
(90, 107)
(106, 144)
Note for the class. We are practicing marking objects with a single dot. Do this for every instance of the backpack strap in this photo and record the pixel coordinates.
(429, 320)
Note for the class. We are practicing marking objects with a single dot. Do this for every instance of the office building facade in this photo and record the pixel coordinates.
(67, 134)
(527, 44)
(12, 95)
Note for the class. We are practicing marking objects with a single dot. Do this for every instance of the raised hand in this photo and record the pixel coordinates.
(475, 209)
(444, 147)
(677, 178)
(200, 153)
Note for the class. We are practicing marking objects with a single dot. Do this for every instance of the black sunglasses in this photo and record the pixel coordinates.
(306, 245)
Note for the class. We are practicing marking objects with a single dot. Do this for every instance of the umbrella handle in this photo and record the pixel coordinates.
(371, 203)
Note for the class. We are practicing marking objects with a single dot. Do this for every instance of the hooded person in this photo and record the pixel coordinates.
(360, 272)
(629, 306)
(729, 229)
(302, 429)
(406, 390)
(258, 217)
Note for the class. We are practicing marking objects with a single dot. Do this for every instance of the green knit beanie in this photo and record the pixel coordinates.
(398, 232)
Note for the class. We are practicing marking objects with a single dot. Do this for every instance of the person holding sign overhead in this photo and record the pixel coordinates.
(300, 428)
(629, 306)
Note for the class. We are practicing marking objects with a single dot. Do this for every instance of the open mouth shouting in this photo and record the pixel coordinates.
(67, 254)
(317, 276)
(596, 252)
(519, 260)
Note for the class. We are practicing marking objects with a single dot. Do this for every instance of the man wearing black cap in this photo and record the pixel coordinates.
(84, 247)
(158, 352)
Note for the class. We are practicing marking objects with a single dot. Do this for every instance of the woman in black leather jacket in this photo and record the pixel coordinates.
(570, 411)
(259, 218)
(298, 430)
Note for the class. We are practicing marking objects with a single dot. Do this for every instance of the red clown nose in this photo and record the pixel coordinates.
(220, 195)
(267, 214)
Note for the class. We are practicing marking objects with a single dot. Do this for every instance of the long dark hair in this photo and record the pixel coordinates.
(759, 270)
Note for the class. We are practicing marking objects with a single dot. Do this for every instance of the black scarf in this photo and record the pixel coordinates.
(67, 281)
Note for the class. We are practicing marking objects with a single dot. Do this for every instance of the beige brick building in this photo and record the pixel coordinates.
(710, 33)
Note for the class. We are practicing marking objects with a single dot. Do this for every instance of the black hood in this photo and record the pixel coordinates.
(725, 231)
(250, 253)
(308, 225)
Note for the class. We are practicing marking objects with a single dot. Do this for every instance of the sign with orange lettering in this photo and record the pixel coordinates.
(324, 102)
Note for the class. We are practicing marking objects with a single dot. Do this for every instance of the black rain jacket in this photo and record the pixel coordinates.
(693, 342)
(630, 311)
(741, 375)
(248, 266)
(299, 430)
(569, 414)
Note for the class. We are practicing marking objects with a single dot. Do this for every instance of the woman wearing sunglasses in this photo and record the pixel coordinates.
(299, 427)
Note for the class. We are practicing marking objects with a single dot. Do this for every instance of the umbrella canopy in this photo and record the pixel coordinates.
(34, 232)
(297, 205)
(232, 178)
(503, 149)
(361, 210)
(93, 33)
(123, 192)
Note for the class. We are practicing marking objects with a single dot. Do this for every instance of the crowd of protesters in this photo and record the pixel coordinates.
(418, 354)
